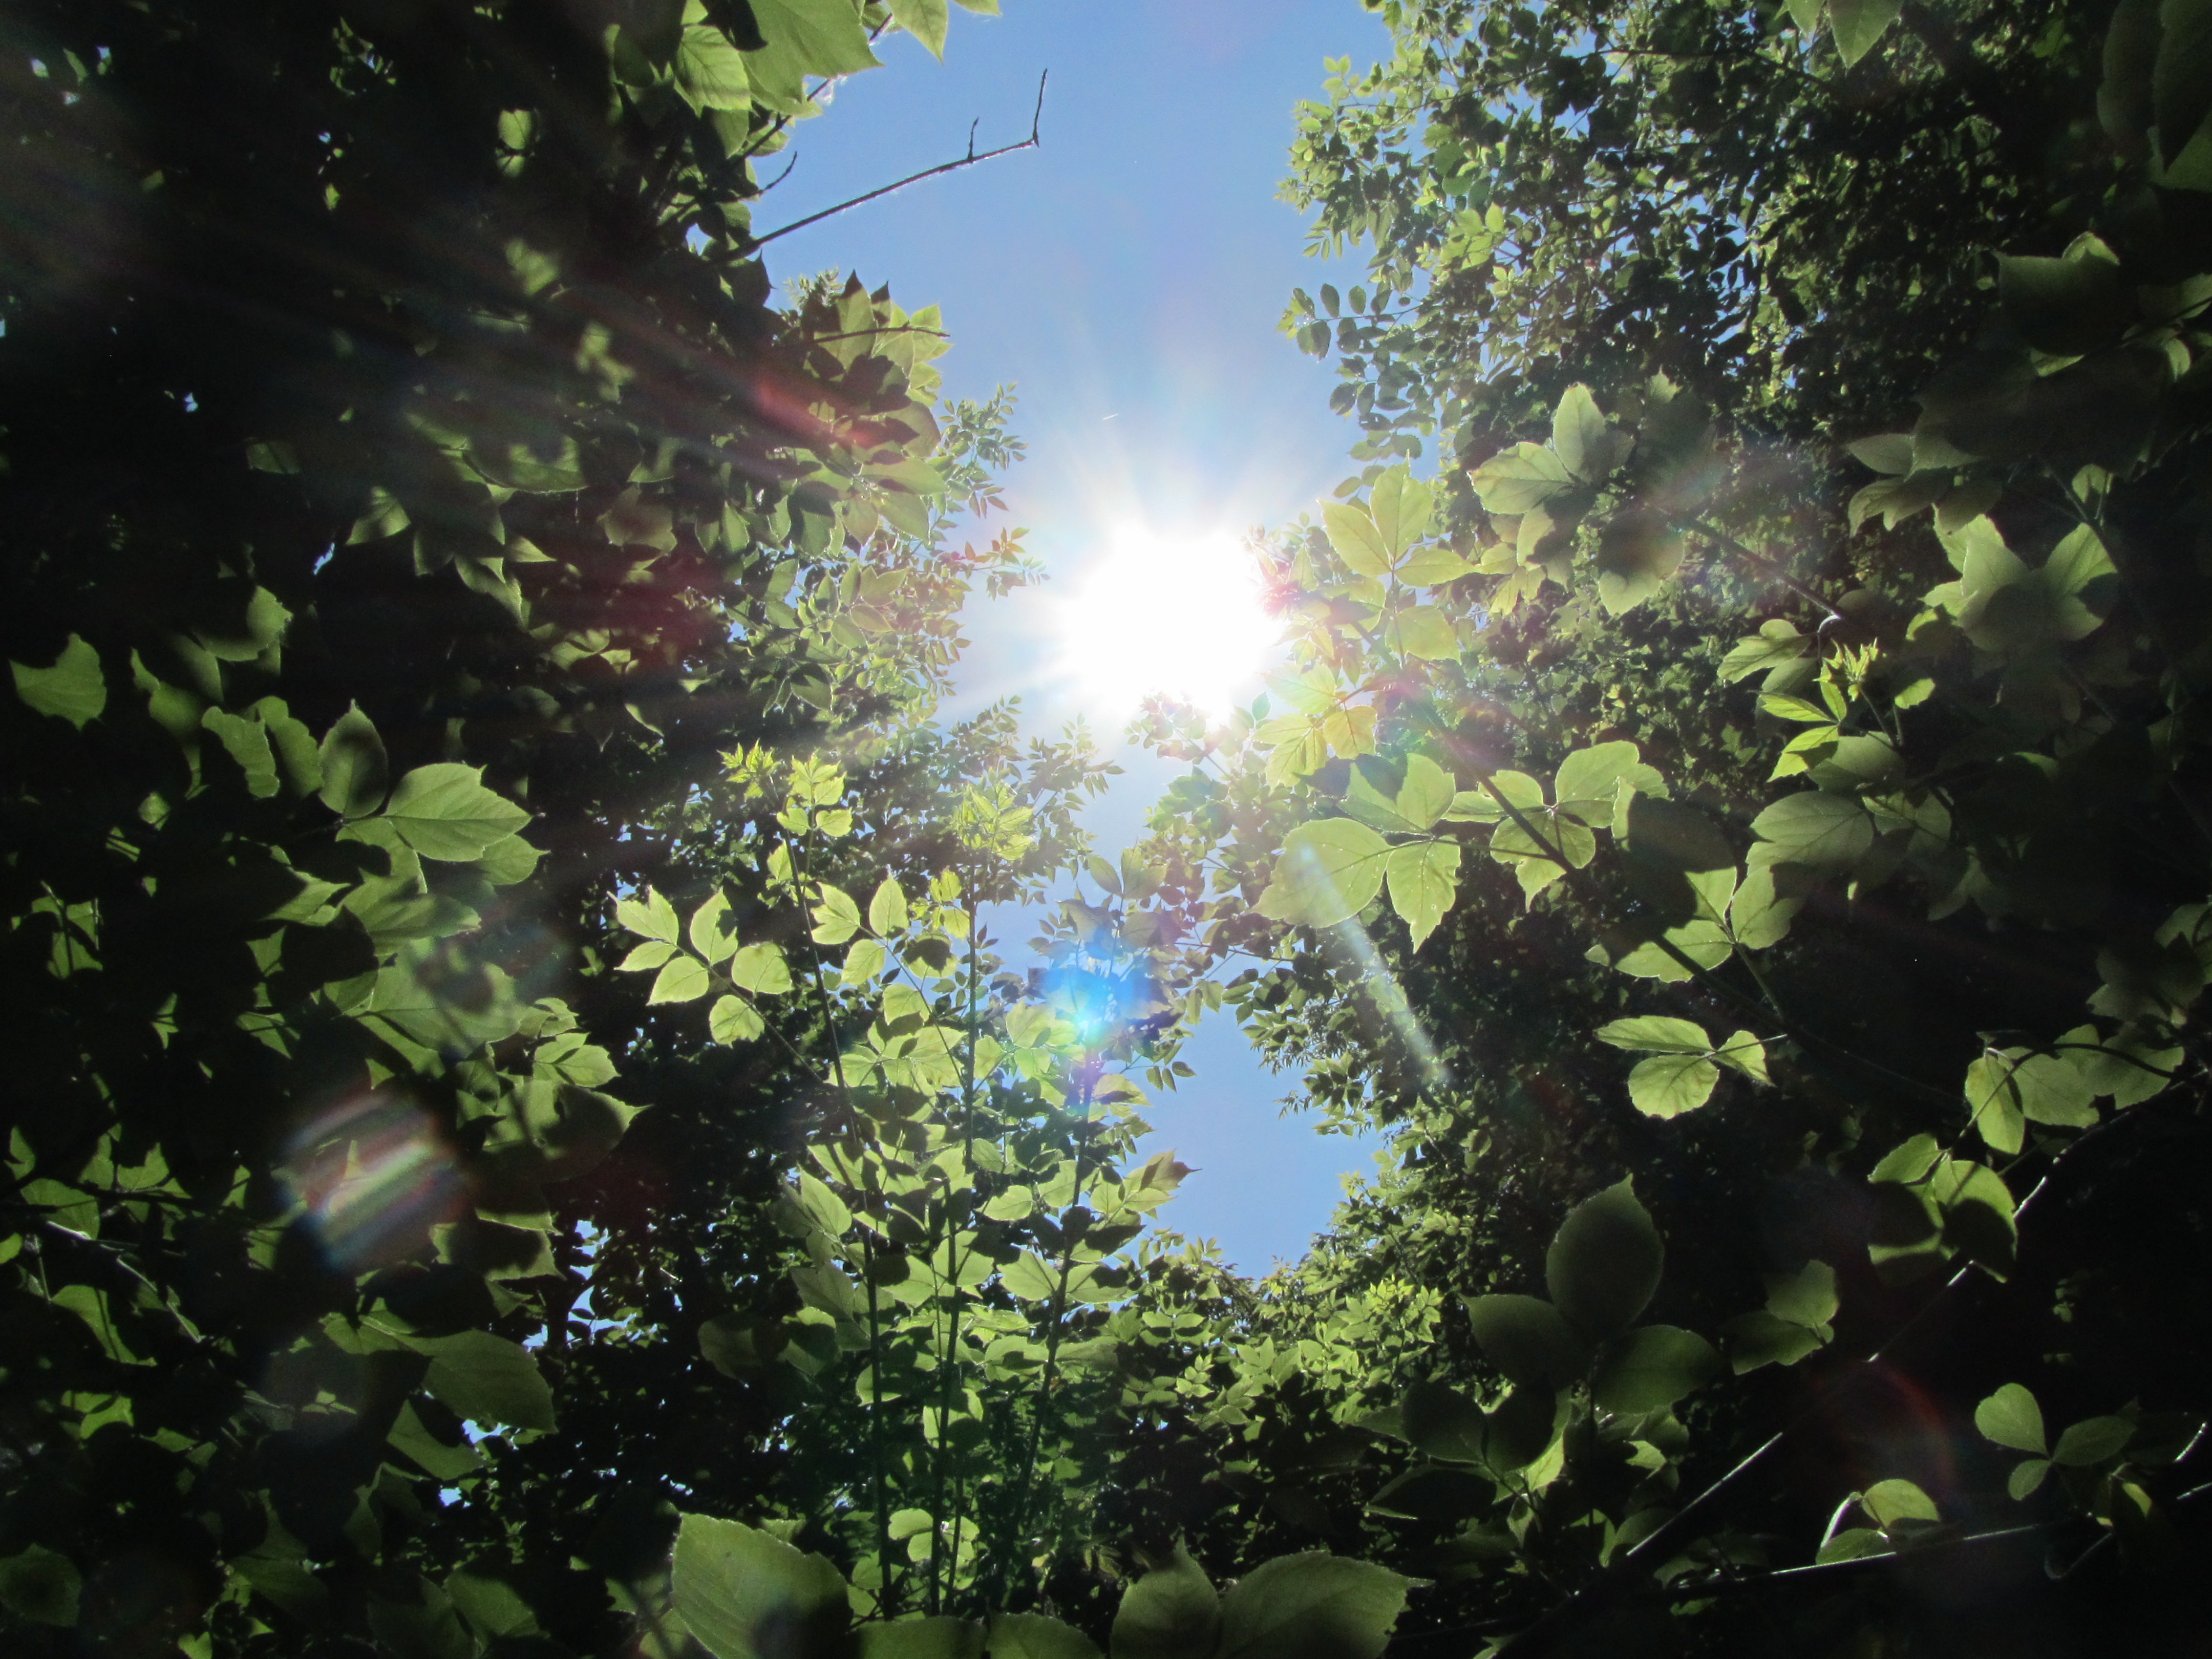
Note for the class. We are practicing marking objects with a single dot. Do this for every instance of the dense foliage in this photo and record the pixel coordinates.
(1755, 790)
(521, 1141)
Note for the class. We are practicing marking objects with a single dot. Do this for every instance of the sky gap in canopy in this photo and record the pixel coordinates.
(1127, 277)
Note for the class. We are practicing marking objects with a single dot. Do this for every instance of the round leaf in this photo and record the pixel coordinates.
(1172, 1613)
(2012, 1417)
(1527, 1338)
(1330, 871)
(1604, 1264)
(747, 1595)
(1311, 1607)
(1655, 1367)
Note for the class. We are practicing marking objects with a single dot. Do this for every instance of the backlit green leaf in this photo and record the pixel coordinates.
(925, 20)
(2094, 1440)
(72, 689)
(1656, 1034)
(1330, 870)
(1527, 1340)
(684, 979)
(653, 916)
(352, 766)
(486, 1379)
(1667, 1085)
(1519, 479)
(2011, 1417)
(1357, 539)
(1604, 1263)
(1857, 24)
(1035, 1636)
(1169, 1612)
(732, 1019)
(1424, 881)
(444, 812)
(761, 970)
(1653, 1367)
(1310, 1607)
(747, 1595)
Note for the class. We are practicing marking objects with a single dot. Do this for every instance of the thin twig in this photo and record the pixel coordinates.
(967, 160)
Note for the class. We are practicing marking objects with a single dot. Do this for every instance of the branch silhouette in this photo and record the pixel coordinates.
(969, 160)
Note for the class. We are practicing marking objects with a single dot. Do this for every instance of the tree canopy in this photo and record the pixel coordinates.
(522, 1141)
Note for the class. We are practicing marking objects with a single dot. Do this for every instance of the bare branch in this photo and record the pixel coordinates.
(969, 160)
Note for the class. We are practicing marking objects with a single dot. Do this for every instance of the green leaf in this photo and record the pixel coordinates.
(1589, 779)
(1035, 1636)
(1890, 453)
(1427, 793)
(1356, 537)
(1586, 446)
(1311, 1607)
(1170, 1613)
(1753, 1339)
(1636, 552)
(2027, 1476)
(1423, 879)
(837, 918)
(506, 862)
(653, 916)
(1806, 1298)
(1857, 24)
(1747, 1054)
(863, 962)
(1668, 835)
(444, 812)
(1820, 830)
(1653, 1368)
(1330, 870)
(39, 1585)
(2094, 1440)
(887, 912)
(1668, 1085)
(1777, 646)
(1909, 1160)
(747, 1595)
(1528, 1341)
(922, 1638)
(712, 933)
(1763, 907)
(2012, 1418)
(683, 979)
(247, 742)
(761, 970)
(1520, 479)
(354, 766)
(1604, 1264)
(710, 72)
(491, 1605)
(484, 1379)
(2181, 77)
(804, 38)
(1401, 505)
(732, 1019)
(1891, 1501)
(1656, 1034)
(925, 20)
(1432, 566)
(73, 689)
(1423, 631)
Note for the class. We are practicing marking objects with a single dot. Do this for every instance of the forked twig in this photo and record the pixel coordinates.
(967, 160)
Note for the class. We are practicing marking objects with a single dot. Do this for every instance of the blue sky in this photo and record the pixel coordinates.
(1126, 277)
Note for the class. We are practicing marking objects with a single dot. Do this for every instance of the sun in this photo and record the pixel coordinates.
(1161, 614)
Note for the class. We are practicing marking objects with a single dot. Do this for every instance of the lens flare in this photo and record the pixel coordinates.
(375, 1175)
(1179, 616)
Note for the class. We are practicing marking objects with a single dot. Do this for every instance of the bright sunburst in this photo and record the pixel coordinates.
(1177, 616)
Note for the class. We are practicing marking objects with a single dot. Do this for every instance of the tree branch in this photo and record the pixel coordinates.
(967, 160)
